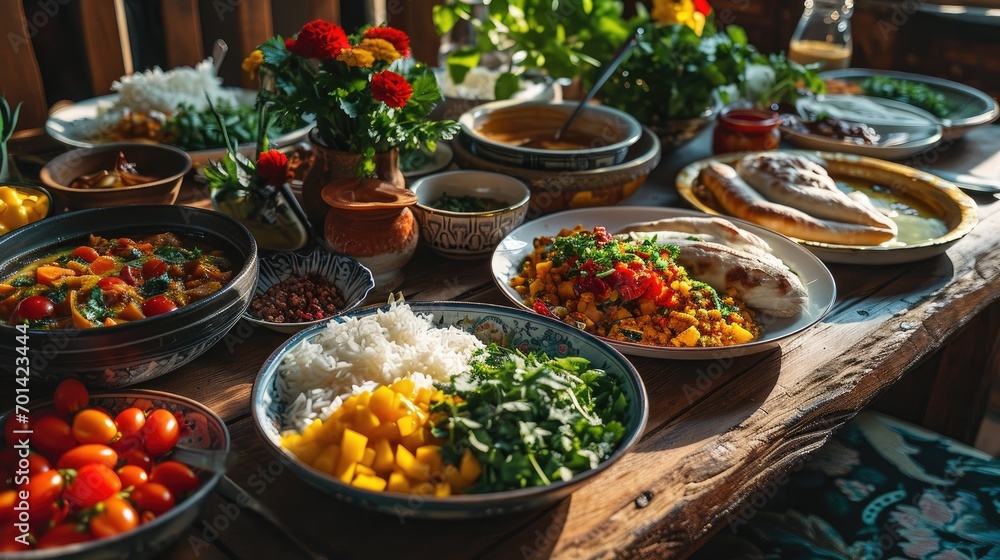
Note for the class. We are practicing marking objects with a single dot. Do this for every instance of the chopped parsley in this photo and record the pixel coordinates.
(22, 282)
(154, 286)
(95, 310)
(176, 255)
(529, 419)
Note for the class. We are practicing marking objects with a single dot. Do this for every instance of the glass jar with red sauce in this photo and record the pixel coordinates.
(746, 130)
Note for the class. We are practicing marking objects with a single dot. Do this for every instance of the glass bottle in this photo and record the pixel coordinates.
(823, 34)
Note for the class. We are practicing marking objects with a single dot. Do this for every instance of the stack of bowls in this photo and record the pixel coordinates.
(603, 157)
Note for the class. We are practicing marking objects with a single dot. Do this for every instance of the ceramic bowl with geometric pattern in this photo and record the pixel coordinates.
(463, 233)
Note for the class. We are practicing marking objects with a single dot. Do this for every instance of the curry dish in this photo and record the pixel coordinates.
(631, 291)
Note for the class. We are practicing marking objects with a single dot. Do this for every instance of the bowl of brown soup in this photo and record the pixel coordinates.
(523, 133)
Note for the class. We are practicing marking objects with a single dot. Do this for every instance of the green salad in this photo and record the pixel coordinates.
(905, 91)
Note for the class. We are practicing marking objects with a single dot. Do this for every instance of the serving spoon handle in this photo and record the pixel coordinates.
(602, 77)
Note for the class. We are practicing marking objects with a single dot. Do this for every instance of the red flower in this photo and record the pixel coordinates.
(391, 88)
(272, 166)
(702, 6)
(399, 40)
(319, 39)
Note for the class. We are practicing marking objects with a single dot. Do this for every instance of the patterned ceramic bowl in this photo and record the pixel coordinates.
(506, 326)
(351, 278)
(136, 351)
(465, 214)
(201, 429)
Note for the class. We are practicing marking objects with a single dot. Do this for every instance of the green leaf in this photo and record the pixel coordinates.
(507, 85)
(445, 17)
(95, 309)
(154, 286)
(460, 61)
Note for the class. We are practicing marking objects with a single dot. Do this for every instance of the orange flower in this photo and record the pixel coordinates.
(380, 49)
(357, 57)
(400, 40)
(252, 62)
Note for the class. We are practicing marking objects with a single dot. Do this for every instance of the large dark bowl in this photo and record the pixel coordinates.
(201, 429)
(166, 163)
(132, 352)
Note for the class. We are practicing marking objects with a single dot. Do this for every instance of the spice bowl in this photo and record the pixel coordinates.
(465, 214)
(323, 270)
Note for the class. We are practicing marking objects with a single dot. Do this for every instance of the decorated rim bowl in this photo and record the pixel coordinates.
(166, 164)
(509, 327)
(200, 429)
(120, 355)
(522, 134)
(554, 191)
(351, 279)
(484, 207)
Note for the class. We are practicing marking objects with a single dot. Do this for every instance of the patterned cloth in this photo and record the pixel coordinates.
(879, 489)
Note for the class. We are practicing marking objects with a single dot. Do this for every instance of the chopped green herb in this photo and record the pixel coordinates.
(58, 293)
(95, 310)
(154, 286)
(467, 203)
(22, 281)
(529, 419)
(176, 255)
(914, 93)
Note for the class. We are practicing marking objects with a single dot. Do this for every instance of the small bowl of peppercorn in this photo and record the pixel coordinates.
(465, 214)
(295, 291)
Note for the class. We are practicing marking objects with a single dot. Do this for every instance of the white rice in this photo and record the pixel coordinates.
(156, 90)
(359, 354)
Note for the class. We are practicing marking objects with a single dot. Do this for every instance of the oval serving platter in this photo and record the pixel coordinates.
(935, 213)
(515, 248)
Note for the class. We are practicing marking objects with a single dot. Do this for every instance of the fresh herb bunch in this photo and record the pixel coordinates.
(916, 94)
(362, 100)
(563, 38)
(191, 129)
(529, 419)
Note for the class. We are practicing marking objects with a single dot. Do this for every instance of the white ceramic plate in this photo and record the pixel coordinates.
(904, 129)
(938, 199)
(515, 248)
(969, 106)
(77, 125)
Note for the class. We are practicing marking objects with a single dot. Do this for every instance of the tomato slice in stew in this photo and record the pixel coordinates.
(88, 254)
(157, 305)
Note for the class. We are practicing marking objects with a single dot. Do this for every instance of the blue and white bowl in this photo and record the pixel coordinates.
(508, 327)
(349, 276)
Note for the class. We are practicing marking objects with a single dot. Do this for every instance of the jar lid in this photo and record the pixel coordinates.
(367, 194)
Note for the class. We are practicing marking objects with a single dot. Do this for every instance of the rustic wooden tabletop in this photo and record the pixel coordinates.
(722, 435)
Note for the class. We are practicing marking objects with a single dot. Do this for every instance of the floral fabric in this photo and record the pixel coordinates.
(880, 489)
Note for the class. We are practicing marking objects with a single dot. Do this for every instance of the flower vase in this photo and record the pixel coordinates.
(330, 165)
(275, 219)
(370, 220)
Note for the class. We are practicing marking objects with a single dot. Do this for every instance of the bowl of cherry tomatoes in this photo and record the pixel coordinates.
(98, 474)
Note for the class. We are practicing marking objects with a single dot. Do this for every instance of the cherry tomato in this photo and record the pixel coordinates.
(114, 517)
(8, 534)
(94, 426)
(132, 475)
(160, 432)
(43, 489)
(88, 453)
(153, 267)
(64, 534)
(7, 500)
(153, 497)
(129, 275)
(70, 396)
(32, 308)
(111, 283)
(37, 463)
(53, 437)
(130, 421)
(157, 305)
(139, 458)
(176, 476)
(93, 483)
(88, 254)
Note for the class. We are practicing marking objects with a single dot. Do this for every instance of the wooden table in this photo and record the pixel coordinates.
(721, 433)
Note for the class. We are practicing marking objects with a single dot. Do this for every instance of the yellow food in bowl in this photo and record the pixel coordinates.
(21, 207)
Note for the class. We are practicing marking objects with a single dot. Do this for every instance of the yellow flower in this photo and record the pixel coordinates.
(252, 62)
(669, 12)
(356, 57)
(380, 48)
